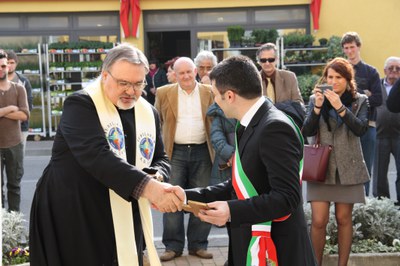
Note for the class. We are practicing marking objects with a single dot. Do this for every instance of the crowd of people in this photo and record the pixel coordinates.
(157, 135)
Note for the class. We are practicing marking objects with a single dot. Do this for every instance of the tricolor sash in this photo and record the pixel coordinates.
(261, 251)
(145, 142)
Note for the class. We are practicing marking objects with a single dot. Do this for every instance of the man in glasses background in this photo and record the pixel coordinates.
(13, 110)
(387, 134)
(278, 85)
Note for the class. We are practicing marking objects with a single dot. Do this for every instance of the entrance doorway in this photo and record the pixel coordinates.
(168, 44)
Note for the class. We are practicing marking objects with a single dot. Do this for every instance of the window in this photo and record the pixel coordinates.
(221, 17)
(167, 19)
(46, 22)
(97, 21)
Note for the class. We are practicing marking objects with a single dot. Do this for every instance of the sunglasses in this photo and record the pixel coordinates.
(393, 69)
(264, 60)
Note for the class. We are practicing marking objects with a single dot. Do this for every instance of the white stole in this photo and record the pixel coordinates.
(145, 143)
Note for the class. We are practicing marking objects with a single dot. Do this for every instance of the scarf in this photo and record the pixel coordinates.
(121, 209)
(346, 99)
(261, 250)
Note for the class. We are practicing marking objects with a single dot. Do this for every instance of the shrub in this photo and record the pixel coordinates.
(376, 227)
(334, 48)
(306, 85)
(14, 234)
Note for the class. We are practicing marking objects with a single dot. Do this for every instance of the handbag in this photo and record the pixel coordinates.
(316, 158)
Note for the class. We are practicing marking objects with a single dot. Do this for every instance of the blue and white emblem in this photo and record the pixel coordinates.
(116, 139)
(146, 146)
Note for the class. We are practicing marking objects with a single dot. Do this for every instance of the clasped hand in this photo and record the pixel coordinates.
(330, 95)
(162, 199)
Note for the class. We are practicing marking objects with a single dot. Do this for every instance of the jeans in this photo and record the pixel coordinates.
(368, 147)
(385, 147)
(190, 168)
(12, 160)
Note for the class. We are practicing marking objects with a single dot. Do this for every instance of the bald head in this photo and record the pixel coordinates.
(185, 72)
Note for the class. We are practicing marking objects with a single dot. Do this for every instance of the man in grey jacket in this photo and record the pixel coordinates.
(387, 134)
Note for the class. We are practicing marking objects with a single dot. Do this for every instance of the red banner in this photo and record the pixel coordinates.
(134, 7)
(315, 8)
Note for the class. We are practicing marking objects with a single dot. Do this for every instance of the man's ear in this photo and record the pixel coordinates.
(230, 96)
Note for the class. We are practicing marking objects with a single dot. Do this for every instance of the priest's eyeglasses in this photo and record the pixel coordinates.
(126, 85)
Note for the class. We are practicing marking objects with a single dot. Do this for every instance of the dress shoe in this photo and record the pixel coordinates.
(201, 253)
(146, 261)
(170, 255)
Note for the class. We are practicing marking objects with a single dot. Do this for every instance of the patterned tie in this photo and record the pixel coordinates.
(270, 90)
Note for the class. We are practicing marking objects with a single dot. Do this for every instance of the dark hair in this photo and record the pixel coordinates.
(266, 47)
(171, 62)
(239, 74)
(3, 54)
(345, 69)
(350, 37)
(12, 55)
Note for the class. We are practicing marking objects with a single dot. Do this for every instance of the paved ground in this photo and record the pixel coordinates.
(220, 256)
(37, 156)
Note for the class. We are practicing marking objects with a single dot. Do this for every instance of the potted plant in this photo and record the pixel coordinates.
(307, 40)
(235, 34)
(334, 48)
(306, 85)
(248, 41)
(14, 236)
(260, 36)
(323, 41)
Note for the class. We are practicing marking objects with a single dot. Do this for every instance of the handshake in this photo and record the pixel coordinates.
(167, 198)
(164, 197)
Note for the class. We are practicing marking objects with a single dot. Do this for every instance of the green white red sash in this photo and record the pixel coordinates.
(261, 251)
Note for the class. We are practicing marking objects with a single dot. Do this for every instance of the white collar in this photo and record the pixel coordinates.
(245, 121)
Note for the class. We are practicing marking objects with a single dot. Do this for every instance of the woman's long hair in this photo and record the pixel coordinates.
(345, 69)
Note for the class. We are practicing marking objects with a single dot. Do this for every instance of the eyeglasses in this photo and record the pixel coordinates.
(393, 69)
(125, 85)
(264, 60)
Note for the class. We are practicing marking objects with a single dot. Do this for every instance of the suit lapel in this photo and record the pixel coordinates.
(278, 85)
(252, 127)
(172, 96)
(204, 103)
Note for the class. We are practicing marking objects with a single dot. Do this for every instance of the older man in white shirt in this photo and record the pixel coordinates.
(186, 133)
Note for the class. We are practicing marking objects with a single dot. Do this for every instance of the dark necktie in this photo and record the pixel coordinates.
(240, 132)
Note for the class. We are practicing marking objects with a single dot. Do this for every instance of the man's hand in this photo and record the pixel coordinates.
(8, 109)
(219, 213)
(178, 191)
(163, 200)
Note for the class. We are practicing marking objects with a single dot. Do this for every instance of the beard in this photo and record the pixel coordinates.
(126, 106)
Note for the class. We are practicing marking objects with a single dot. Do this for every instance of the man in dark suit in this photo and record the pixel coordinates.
(270, 151)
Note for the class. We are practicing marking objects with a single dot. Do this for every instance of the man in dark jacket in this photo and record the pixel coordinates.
(267, 187)
(387, 134)
(368, 83)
